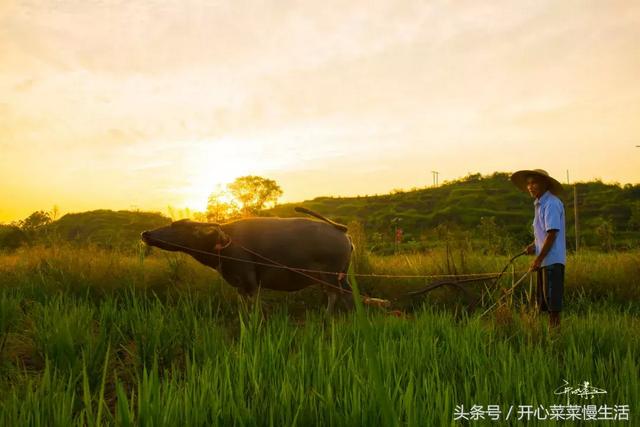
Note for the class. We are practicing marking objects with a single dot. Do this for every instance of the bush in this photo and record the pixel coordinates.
(11, 237)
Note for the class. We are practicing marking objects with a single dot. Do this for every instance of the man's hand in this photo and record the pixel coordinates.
(535, 265)
(531, 249)
(546, 247)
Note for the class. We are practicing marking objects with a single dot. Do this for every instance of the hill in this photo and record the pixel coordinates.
(483, 205)
(488, 210)
(105, 228)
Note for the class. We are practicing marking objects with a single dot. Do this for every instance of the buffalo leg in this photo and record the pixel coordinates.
(248, 283)
(331, 301)
(347, 295)
(341, 290)
(247, 287)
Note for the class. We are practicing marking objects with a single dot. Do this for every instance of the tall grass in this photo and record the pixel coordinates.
(105, 342)
(597, 276)
(273, 371)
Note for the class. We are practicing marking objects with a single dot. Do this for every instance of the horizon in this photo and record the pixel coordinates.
(145, 106)
(177, 212)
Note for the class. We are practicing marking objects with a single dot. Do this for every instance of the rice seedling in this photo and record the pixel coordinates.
(123, 350)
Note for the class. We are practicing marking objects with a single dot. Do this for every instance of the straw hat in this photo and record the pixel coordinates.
(520, 180)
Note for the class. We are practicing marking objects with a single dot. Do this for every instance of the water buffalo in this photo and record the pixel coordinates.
(264, 252)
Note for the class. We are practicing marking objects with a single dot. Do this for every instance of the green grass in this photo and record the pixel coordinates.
(97, 337)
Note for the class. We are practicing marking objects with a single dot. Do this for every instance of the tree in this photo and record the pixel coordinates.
(34, 225)
(254, 193)
(35, 221)
(221, 207)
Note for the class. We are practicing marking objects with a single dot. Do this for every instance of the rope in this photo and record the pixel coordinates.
(272, 264)
(470, 277)
(296, 270)
(275, 264)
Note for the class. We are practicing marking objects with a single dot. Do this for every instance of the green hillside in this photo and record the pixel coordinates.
(479, 205)
(105, 228)
(485, 210)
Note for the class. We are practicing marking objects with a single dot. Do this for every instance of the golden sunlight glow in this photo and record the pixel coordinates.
(142, 105)
(209, 167)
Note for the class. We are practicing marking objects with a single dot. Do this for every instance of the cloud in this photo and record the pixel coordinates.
(130, 88)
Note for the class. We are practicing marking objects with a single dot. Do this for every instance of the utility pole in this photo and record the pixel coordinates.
(575, 211)
(575, 214)
(435, 178)
(397, 234)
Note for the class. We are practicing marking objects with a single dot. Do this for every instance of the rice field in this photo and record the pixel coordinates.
(92, 337)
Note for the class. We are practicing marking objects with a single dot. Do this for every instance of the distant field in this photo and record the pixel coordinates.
(91, 337)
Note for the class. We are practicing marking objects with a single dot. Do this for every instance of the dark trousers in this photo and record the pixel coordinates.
(550, 287)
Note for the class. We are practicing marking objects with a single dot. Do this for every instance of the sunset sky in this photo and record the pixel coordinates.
(144, 104)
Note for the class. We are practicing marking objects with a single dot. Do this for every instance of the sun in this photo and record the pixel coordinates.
(209, 167)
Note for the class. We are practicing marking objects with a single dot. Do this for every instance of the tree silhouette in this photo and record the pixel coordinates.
(243, 197)
(254, 193)
(221, 207)
(35, 221)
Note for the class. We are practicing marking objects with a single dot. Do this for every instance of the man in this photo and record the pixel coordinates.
(549, 243)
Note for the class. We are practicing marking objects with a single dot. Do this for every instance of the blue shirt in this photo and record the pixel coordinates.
(550, 216)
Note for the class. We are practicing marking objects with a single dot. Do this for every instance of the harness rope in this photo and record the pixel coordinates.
(334, 273)
(470, 277)
(274, 264)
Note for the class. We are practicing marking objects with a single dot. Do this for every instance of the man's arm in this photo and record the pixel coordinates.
(546, 247)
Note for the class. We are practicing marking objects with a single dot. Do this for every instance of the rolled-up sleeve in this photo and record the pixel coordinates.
(553, 217)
